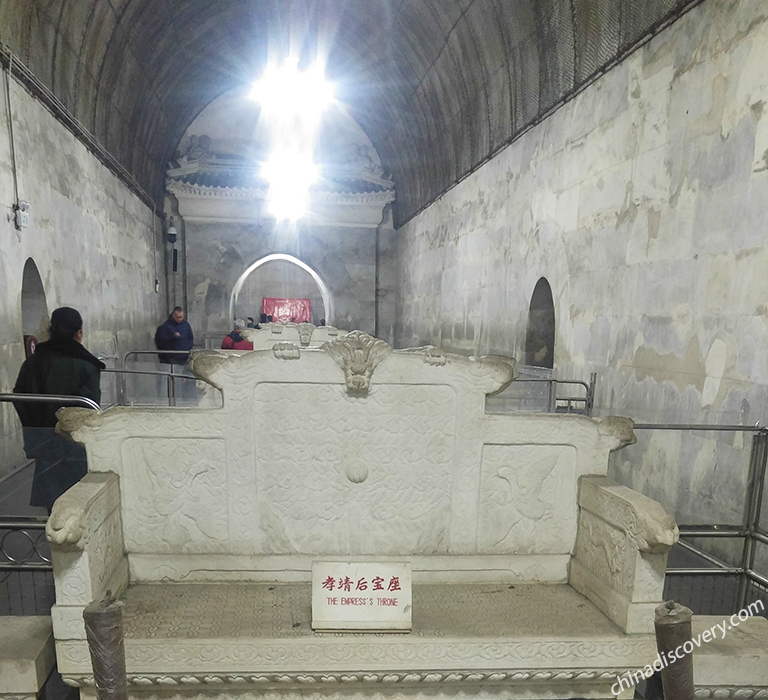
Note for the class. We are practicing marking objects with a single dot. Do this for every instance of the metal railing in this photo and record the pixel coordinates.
(23, 546)
(26, 571)
(750, 531)
(171, 376)
(524, 395)
(50, 398)
(122, 399)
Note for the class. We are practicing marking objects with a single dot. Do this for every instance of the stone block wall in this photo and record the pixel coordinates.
(91, 239)
(344, 257)
(643, 201)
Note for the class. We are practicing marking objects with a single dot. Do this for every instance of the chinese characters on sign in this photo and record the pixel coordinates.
(345, 584)
(366, 596)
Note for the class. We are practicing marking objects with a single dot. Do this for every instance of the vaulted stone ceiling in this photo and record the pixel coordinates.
(438, 85)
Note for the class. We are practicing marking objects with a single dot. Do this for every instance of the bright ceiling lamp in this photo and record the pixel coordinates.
(285, 92)
(292, 103)
(290, 175)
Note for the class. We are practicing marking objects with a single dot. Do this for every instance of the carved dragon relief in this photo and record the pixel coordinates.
(358, 354)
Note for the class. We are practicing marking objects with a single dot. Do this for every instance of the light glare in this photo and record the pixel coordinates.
(290, 175)
(293, 103)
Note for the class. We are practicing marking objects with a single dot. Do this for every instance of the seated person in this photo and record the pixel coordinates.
(235, 341)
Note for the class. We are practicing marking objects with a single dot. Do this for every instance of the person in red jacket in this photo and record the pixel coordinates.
(235, 341)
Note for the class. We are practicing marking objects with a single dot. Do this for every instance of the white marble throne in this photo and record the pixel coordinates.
(534, 574)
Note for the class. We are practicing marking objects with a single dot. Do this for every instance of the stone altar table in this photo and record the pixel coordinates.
(534, 575)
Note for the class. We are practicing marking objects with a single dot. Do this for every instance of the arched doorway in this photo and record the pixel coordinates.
(540, 338)
(34, 309)
(325, 293)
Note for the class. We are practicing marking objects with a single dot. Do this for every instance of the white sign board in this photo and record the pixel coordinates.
(370, 596)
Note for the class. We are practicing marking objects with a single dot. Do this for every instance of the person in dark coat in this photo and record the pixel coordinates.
(174, 334)
(235, 340)
(61, 365)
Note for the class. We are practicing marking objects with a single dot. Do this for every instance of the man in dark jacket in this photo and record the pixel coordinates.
(62, 366)
(174, 334)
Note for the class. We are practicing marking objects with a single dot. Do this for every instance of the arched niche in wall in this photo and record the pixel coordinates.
(34, 309)
(540, 337)
(325, 295)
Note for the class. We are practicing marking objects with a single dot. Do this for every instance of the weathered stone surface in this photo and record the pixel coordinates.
(91, 240)
(735, 660)
(621, 550)
(439, 86)
(641, 202)
(27, 656)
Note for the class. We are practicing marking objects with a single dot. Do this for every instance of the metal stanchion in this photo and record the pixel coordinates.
(104, 630)
(752, 505)
(673, 639)
(551, 402)
(171, 389)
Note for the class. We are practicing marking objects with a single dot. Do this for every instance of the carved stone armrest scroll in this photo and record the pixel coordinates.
(86, 538)
(621, 552)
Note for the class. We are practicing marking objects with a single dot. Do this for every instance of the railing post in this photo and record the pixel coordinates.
(673, 631)
(591, 393)
(754, 496)
(171, 388)
(551, 401)
(104, 631)
(121, 382)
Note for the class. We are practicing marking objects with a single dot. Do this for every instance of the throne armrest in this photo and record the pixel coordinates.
(86, 537)
(621, 552)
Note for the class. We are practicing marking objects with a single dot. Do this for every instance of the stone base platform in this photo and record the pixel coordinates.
(26, 656)
(246, 640)
(734, 665)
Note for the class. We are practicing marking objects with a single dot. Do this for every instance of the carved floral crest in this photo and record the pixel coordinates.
(357, 354)
(305, 331)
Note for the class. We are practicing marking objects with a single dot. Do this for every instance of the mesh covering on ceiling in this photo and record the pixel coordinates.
(438, 85)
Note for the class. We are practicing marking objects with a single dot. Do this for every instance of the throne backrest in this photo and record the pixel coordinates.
(350, 450)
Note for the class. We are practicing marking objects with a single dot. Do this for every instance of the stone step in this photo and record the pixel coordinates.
(27, 655)
(733, 664)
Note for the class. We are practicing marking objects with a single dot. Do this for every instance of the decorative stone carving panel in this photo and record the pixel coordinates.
(607, 552)
(302, 462)
(527, 499)
(105, 554)
(358, 474)
(176, 489)
(652, 529)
